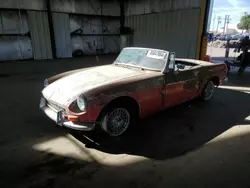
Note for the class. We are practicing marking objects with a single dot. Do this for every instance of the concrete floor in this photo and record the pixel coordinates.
(192, 145)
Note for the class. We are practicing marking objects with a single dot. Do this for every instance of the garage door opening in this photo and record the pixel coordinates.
(223, 31)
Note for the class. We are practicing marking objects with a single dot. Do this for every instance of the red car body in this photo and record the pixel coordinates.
(148, 91)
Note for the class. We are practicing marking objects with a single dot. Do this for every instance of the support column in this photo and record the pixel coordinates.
(51, 29)
(227, 49)
(202, 32)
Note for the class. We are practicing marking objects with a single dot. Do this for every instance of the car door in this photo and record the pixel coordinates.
(180, 86)
(191, 83)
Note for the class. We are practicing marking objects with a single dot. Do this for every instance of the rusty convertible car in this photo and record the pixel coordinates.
(140, 82)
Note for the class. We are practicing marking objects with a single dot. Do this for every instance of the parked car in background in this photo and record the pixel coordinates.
(228, 37)
(222, 37)
(225, 37)
(237, 36)
(216, 37)
(140, 82)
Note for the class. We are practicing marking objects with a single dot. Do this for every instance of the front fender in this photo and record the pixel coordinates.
(98, 104)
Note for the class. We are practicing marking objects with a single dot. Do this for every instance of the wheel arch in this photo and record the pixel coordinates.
(121, 100)
(215, 80)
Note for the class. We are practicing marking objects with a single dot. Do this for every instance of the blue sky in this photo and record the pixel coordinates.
(234, 8)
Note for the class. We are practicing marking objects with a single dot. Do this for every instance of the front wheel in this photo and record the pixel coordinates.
(116, 121)
(208, 91)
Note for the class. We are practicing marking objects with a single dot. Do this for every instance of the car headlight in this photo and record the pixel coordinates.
(46, 82)
(81, 103)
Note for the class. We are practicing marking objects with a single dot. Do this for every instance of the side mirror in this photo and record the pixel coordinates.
(180, 66)
(170, 63)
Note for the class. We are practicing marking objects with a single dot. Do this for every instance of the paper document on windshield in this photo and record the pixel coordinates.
(156, 54)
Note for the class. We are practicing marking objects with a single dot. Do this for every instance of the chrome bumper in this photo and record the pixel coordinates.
(60, 119)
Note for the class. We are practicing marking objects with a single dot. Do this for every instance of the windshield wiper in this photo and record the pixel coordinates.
(138, 66)
(117, 62)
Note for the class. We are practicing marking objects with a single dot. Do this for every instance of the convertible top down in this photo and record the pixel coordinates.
(140, 82)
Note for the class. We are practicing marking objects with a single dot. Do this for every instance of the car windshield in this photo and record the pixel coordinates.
(152, 59)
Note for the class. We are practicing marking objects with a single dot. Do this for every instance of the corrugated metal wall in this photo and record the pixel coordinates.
(15, 48)
(23, 4)
(94, 34)
(88, 25)
(65, 42)
(15, 44)
(173, 30)
(13, 22)
(39, 30)
(62, 35)
(137, 7)
(111, 44)
(92, 7)
(174, 25)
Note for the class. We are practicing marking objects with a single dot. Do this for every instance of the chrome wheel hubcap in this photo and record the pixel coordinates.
(208, 92)
(117, 122)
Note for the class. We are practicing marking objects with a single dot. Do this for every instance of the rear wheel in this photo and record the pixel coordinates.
(117, 120)
(208, 91)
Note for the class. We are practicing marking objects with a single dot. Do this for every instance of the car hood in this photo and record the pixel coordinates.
(65, 90)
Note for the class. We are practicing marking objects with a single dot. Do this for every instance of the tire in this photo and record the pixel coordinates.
(117, 120)
(208, 91)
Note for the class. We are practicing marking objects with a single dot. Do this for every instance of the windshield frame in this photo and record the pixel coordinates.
(118, 62)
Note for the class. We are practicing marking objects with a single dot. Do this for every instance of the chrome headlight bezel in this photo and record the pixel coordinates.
(82, 103)
(46, 83)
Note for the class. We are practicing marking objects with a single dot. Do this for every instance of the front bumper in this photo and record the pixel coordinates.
(59, 117)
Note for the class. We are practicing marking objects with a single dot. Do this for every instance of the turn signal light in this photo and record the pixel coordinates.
(73, 118)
